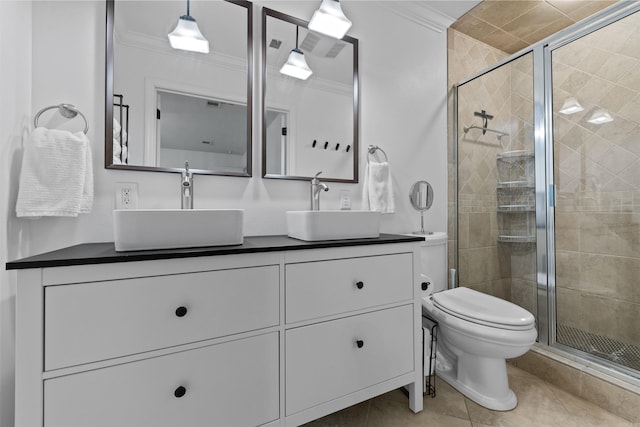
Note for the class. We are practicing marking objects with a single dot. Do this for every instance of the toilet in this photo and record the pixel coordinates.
(476, 332)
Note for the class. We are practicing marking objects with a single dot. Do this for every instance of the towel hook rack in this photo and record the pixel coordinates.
(68, 111)
(372, 149)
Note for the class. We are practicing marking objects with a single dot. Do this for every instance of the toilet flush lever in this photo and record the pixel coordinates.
(425, 285)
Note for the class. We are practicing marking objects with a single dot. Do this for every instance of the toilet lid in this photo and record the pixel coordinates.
(481, 308)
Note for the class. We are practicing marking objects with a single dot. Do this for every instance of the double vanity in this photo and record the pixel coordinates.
(274, 331)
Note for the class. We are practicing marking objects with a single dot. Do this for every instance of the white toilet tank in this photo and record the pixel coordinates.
(433, 262)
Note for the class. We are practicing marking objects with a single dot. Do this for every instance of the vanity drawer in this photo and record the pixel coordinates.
(332, 359)
(230, 384)
(323, 288)
(96, 321)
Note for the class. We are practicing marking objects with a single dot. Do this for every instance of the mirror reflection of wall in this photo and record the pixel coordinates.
(322, 108)
(277, 127)
(173, 93)
(208, 132)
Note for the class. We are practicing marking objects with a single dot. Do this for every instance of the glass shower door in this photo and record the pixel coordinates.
(596, 173)
(496, 227)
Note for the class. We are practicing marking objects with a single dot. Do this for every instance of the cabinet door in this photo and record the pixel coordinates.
(96, 321)
(332, 359)
(230, 384)
(323, 288)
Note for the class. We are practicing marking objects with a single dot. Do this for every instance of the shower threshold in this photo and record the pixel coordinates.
(615, 351)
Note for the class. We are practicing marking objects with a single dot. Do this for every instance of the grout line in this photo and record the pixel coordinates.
(366, 417)
(466, 407)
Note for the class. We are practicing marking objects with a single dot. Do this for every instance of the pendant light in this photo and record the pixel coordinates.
(571, 106)
(330, 20)
(296, 66)
(187, 35)
(599, 117)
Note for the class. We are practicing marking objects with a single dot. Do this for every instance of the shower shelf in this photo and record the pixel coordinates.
(518, 154)
(516, 208)
(516, 184)
(516, 168)
(516, 197)
(516, 239)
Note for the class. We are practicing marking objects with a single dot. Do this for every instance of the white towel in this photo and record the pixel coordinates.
(57, 174)
(377, 193)
(119, 147)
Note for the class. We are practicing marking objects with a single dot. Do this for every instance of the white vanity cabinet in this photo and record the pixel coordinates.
(272, 337)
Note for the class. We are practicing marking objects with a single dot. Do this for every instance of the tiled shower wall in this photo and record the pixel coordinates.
(597, 173)
(466, 56)
(506, 270)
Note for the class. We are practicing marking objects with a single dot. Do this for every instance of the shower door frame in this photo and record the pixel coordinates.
(544, 179)
(598, 21)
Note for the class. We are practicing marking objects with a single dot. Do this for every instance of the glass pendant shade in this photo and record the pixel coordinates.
(296, 66)
(187, 36)
(571, 106)
(600, 116)
(330, 20)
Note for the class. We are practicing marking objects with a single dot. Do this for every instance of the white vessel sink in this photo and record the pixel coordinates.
(332, 225)
(141, 229)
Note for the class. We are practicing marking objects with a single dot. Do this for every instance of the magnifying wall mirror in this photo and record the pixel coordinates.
(309, 125)
(421, 197)
(166, 106)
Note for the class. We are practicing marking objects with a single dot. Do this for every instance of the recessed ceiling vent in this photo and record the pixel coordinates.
(335, 50)
(275, 43)
(321, 46)
(310, 42)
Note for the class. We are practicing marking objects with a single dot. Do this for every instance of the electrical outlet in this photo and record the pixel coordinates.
(126, 195)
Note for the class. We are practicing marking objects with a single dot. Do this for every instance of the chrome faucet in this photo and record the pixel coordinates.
(186, 188)
(316, 186)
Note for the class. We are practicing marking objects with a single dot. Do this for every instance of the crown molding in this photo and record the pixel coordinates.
(160, 45)
(421, 14)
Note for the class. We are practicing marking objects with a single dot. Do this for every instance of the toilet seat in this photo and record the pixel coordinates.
(476, 307)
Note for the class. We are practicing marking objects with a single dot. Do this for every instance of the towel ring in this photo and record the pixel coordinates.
(68, 111)
(372, 149)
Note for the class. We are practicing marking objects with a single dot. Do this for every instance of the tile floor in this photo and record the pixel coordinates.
(540, 404)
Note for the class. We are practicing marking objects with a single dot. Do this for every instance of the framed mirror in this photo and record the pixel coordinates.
(308, 125)
(165, 106)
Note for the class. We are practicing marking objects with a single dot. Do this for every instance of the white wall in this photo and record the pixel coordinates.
(15, 119)
(53, 52)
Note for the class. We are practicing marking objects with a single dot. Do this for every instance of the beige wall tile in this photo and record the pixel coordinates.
(627, 314)
(599, 316)
(569, 308)
(567, 231)
(567, 269)
(480, 230)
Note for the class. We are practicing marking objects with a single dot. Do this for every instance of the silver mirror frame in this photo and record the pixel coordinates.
(421, 205)
(304, 24)
(108, 125)
(414, 193)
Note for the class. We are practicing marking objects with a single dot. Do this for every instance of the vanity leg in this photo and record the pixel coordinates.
(415, 396)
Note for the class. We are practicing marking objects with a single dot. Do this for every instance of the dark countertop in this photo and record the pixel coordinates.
(104, 253)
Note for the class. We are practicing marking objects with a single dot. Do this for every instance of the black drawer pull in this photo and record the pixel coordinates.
(425, 285)
(181, 311)
(180, 391)
(360, 343)
(360, 285)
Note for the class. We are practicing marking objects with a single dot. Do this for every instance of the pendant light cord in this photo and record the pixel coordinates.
(297, 28)
(188, 14)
